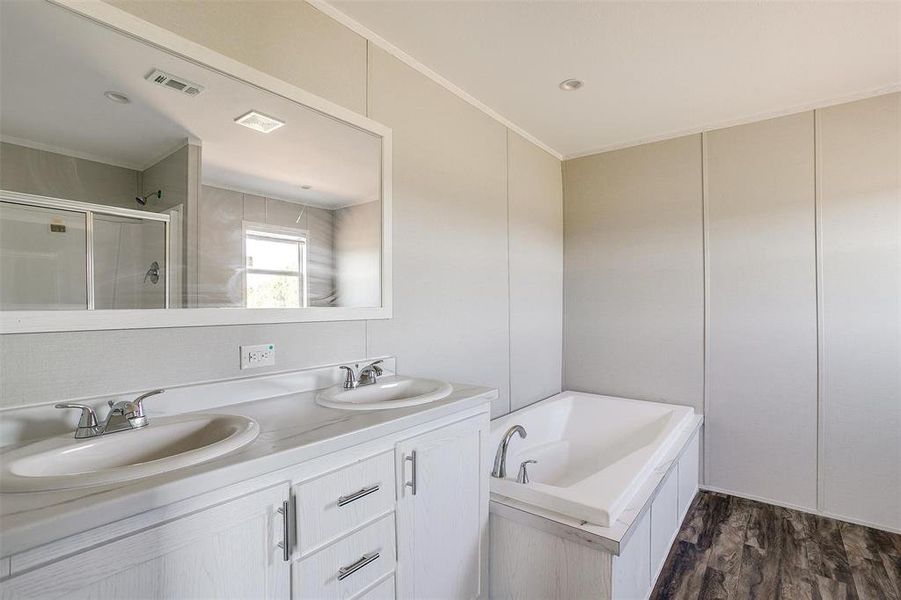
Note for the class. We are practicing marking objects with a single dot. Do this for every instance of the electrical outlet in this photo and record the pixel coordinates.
(261, 355)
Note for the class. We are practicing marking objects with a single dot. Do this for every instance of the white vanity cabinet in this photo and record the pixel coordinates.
(399, 516)
(442, 519)
(230, 550)
(406, 522)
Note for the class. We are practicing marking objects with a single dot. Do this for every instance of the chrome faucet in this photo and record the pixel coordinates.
(367, 376)
(122, 416)
(523, 476)
(500, 459)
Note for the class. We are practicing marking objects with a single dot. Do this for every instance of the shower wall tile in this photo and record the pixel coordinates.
(254, 208)
(220, 248)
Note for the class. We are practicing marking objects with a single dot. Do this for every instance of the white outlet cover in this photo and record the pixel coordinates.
(260, 355)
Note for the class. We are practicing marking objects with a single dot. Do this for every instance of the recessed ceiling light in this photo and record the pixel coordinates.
(306, 186)
(117, 97)
(571, 85)
(259, 122)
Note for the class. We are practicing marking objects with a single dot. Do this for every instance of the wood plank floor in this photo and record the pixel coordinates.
(732, 548)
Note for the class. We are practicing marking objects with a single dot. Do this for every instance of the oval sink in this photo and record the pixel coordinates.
(168, 443)
(390, 392)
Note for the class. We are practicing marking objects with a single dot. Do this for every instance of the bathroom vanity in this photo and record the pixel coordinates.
(324, 503)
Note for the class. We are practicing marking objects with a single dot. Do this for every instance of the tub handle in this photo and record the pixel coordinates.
(523, 476)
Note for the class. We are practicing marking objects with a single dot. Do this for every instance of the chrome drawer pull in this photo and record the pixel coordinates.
(412, 483)
(357, 495)
(351, 569)
(285, 544)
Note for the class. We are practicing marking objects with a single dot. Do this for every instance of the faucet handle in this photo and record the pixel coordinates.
(375, 366)
(88, 417)
(523, 476)
(87, 423)
(139, 402)
(350, 378)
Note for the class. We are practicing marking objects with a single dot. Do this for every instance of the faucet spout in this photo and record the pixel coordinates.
(500, 458)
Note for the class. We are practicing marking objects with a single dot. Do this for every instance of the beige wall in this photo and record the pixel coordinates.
(451, 267)
(860, 366)
(535, 213)
(634, 289)
(450, 231)
(761, 374)
(43, 173)
(170, 175)
(801, 296)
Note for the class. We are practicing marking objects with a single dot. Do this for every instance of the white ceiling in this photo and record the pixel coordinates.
(651, 69)
(55, 67)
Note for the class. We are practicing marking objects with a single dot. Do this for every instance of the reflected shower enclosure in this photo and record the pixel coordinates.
(65, 255)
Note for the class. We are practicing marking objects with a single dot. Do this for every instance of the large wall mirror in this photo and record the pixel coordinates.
(143, 187)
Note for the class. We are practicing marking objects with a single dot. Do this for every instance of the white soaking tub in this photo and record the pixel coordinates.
(593, 452)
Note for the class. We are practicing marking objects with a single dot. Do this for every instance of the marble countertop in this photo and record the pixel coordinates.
(293, 429)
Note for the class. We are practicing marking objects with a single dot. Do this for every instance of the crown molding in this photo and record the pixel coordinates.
(363, 31)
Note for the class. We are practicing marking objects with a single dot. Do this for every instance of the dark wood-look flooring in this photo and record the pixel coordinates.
(732, 548)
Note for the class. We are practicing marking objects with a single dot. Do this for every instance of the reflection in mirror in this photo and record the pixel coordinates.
(132, 178)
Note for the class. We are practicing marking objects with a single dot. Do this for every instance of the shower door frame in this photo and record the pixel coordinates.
(88, 209)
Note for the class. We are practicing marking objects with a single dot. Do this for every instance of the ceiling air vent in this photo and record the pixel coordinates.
(172, 82)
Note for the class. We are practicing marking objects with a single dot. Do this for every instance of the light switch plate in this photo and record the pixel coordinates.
(261, 355)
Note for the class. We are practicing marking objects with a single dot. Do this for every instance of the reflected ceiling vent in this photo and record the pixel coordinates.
(259, 122)
(172, 82)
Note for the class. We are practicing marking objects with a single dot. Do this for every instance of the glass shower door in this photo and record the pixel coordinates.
(43, 258)
(129, 262)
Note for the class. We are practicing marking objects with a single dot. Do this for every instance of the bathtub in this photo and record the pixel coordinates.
(593, 452)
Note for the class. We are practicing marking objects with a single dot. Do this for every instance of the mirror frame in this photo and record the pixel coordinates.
(127, 24)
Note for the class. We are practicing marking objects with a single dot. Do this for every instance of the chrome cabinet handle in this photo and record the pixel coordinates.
(285, 544)
(356, 566)
(412, 483)
(343, 500)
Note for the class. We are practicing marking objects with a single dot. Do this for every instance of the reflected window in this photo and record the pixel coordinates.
(276, 268)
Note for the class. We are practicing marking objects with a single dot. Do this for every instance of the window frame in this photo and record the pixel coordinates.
(278, 232)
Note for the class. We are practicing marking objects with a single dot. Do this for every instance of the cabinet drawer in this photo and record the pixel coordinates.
(382, 591)
(340, 501)
(348, 566)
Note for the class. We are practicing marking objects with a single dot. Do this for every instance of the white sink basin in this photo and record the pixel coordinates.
(168, 443)
(390, 392)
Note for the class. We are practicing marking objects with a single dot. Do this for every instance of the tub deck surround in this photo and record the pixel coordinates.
(609, 538)
(593, 452)
(293, 429)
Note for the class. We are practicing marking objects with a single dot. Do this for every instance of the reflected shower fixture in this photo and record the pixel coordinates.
(142, 200)
(153, 273)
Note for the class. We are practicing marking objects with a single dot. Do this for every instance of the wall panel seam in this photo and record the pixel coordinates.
(705, 309)
(367, 70)
(563, 276)
(818, 284)
(509, 275)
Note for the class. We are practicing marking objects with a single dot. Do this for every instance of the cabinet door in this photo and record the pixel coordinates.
(442, 512)
(227, 551)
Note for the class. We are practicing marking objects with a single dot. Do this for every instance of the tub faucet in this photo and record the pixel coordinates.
(500, 459)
